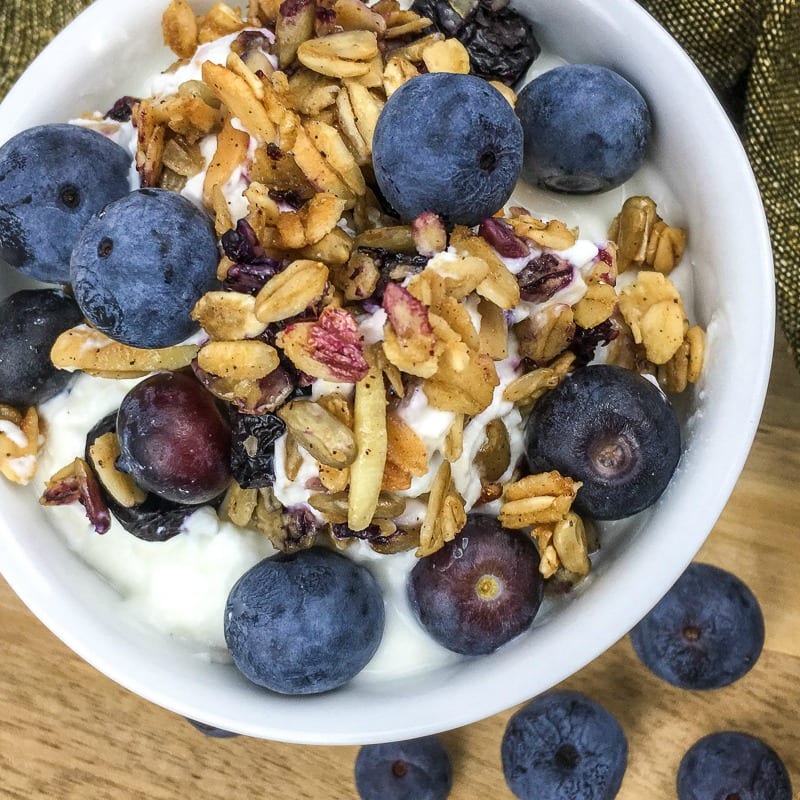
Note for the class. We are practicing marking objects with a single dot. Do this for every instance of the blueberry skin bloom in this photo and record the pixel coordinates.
(611, 429)
(586, 129)
(30, 322)
(705, 633)
(729, 764)
(417, 769)
(141, 264)
(564, 746)
(304, 623)
(450, 144)
(52, 179)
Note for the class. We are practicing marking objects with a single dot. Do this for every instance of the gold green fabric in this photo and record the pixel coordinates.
(749, 51)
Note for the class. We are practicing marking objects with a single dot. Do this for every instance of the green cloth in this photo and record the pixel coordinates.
(749, 51)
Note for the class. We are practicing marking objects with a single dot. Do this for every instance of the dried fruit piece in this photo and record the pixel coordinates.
(76, 482)
(409, 341)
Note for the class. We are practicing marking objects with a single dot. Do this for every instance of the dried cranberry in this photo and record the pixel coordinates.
(501, 236)
(253, 448)
(543, 276)
(337, 344)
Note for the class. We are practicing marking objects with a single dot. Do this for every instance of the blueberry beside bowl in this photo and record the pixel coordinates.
(733, 300)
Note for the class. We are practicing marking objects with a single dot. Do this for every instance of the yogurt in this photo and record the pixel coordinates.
(180, 586)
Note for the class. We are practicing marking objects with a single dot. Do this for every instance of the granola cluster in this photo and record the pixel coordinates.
(322, 287)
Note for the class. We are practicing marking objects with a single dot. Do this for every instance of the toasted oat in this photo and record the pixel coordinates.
(569, 541)
(528, 388)
(538, 499)
(366, 109)
(406, 455)
(228, 316)
(240, 505)
(247, 359)
(444, 515)
(220, 20)
(547, 333)
(339, 55)
(103, 455)
(396, 72)
(291, 291)
(500, 286)
(319, 432)
(232, 145)
(179, 26)
(466, 391)
(553, 234)
(447, 56)
(494, 330)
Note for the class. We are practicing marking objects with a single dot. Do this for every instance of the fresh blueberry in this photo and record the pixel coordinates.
(613, 430)
(705, 633)
(52, 179)
(564, 746)
(450, 144)
(305, 622)
(499, 40)
(417, 769)
(480, 590)
(30, 321)
(210, 730)
(586, 129)
(732, 766)
(173, 439)
(141, 264)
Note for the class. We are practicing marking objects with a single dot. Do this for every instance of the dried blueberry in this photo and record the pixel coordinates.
(499, 40)
(30, 321)
(253, 448)
(417, 769)
(122, 110)
(729, 765)
(705, 633)
(587, 340)
(543, 276)
(564, 746)
(613, 430)
(466, 144)
(276, 606)
(52, 179)
(480, 590)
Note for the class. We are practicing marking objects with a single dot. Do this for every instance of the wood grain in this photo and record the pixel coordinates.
(69, 732)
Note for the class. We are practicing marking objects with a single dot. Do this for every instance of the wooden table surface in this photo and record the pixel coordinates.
(69, 732)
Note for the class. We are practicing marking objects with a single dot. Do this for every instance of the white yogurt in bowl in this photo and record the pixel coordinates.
(412, 687)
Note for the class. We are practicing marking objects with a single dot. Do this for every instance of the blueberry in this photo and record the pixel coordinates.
(732, 766)
(253, 448)
(705, 633)
(450, 144)
(30, 321)
(52, 179)
(141, 264)
(586, 129)
(417, 769)
(210, 730)
(499, 40)
(480, 590)
(305, 622)
(564, 746)
(612, 429)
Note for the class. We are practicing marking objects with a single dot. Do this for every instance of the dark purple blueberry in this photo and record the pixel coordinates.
(53, 178)
(613, 430)
(466, 144)
(543, 276)
(253, 440)
(706, 632)
(564, 746)
(210, 730)
(732, 766)
(499, 40)
(480, 590)
(586, 129)
(305, 622)
(417, 769)
(173, 439)
(155, 519)
(30, 322)
(141, 264)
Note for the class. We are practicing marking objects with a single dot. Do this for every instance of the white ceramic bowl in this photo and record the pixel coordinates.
(108, 51)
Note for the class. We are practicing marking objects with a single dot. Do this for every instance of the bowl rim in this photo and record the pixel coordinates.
(22, 573)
